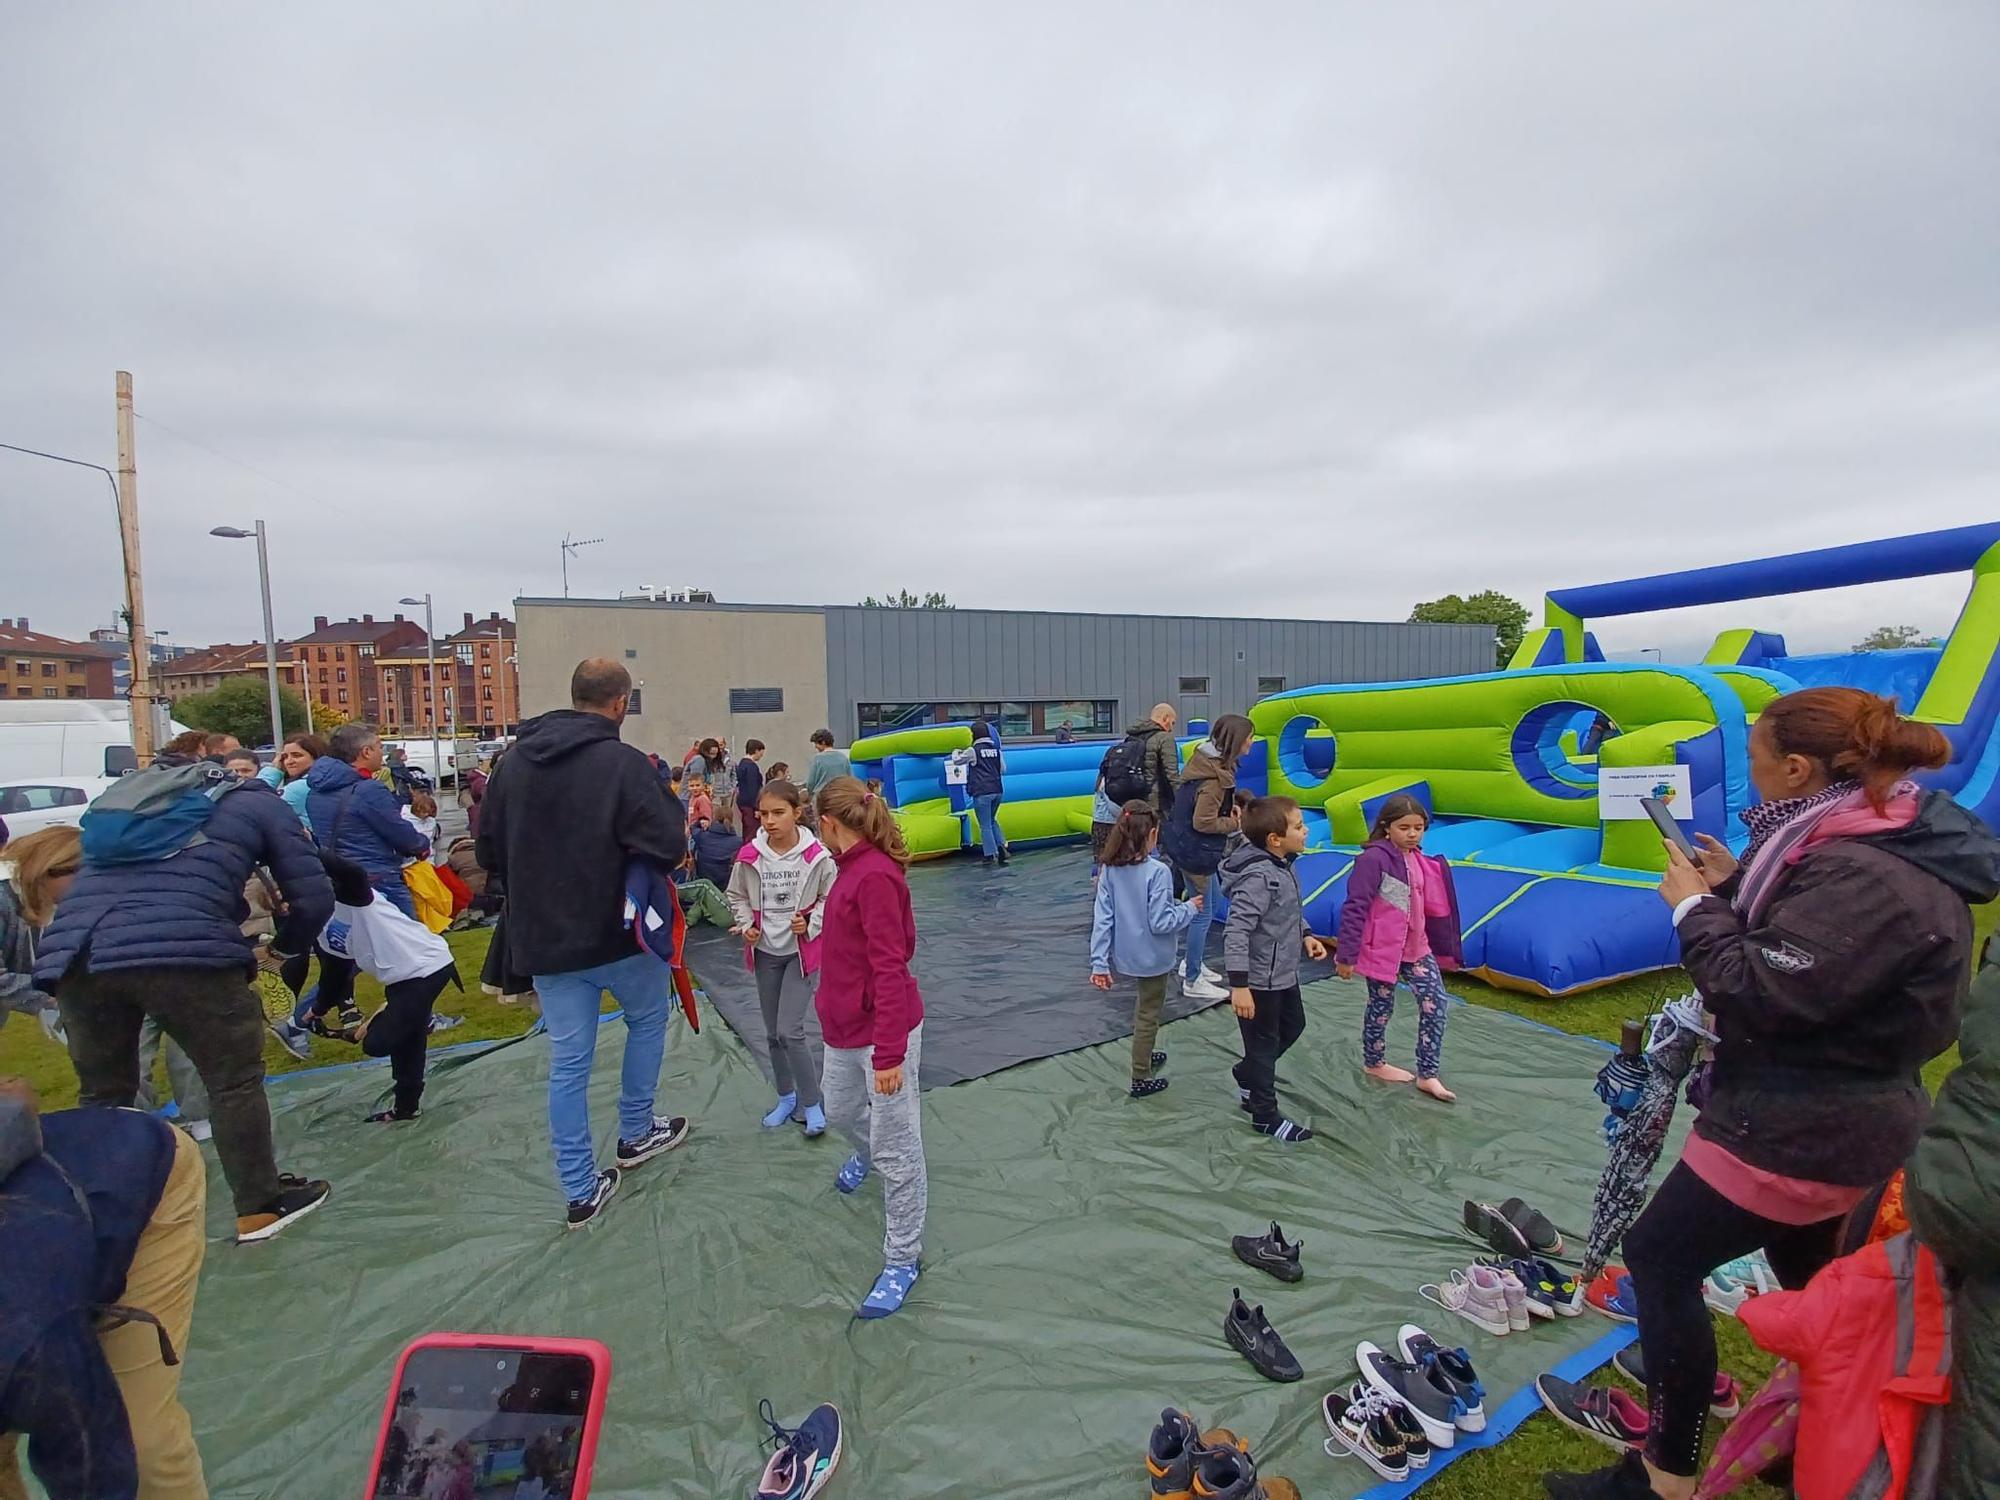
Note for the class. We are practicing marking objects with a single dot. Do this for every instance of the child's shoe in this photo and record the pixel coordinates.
(1143, 1088)
(853, 1172)
(815, 1121)
(1159, 1061)
(1479, 1296)
(807, 1454)
(1361, 1425)
(1170, 1456)
(1251, 1335)
(1611, 1294)
(1270, 1252)
(781, 1112)
(891, 1287)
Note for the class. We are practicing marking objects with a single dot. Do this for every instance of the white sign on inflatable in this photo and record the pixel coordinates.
(1619, 789)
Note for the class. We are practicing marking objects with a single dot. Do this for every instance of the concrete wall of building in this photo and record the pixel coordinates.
(895, 655)
(688, 657)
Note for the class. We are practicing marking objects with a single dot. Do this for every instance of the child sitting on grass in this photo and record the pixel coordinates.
(1261, 947)
(1132, 927)
(1400, 918)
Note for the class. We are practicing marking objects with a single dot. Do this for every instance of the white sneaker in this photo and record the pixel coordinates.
(1203, 988)
(201, 1130)
(1210, 975)
(1477, 1295)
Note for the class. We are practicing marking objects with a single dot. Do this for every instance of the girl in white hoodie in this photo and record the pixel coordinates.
(777, 894)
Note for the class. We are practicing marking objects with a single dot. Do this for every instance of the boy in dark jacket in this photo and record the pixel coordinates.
(1260, 952)
(163, 938)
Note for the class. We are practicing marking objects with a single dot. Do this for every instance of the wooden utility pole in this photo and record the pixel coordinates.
(141, 696)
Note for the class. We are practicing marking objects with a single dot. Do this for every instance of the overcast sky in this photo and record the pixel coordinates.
(1311, 309)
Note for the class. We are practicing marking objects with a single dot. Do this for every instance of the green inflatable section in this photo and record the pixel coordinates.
(931, 828)
(1076, 1264)
(928, 740)
(1028, 822)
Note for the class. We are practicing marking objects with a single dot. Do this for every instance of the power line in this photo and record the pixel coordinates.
(248, 468)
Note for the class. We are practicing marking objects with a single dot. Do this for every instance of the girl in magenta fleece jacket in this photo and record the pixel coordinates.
(872, 1018)
(1400, 921)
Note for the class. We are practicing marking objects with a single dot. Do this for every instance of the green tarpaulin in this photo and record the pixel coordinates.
(1077, 1265)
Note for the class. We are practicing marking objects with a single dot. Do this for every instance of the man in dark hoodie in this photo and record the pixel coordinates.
(571, 809)
(355, 816)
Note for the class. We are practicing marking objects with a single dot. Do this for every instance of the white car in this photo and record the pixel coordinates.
(49, 801)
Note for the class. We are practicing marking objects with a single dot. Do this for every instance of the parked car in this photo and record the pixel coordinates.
(49, 801)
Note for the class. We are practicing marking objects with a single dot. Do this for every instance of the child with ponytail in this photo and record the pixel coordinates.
(872, 1018)
(1133, 926)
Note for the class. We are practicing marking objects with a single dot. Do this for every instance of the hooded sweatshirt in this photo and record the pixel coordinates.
(867, 995)
(1265, 936)
(562, 816)
(767, 889)
(1846, 981)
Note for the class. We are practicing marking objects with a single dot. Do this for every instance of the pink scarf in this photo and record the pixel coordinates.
(1819, 820)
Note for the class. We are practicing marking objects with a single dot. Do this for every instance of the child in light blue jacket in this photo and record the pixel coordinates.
(1132, 930)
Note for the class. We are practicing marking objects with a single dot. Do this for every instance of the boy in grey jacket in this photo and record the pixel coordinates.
(1260, 952)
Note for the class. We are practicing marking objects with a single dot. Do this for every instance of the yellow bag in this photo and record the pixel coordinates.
(428, 895)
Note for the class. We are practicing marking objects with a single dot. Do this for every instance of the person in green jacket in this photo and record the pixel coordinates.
(1951, 1190)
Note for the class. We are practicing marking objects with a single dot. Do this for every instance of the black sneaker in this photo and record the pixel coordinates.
(1624, 1480)
(1143, 1088)
(1361, 1424)
(662, 1138)
(1603, 1412)
(1415, 1444)
(1251, 1335)
(1433, 1409)
(1543, 1237)
(390, 1117)
(297, 1197)
(1159, 1061)
(583, 1211)
(1503, 1235)
(1270, 1252)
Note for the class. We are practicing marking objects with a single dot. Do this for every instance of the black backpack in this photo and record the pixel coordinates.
(1124, 770)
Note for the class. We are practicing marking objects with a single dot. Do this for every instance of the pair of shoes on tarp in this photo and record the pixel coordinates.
(1185, 1463)
(1515, 1230)
(1245, 1327)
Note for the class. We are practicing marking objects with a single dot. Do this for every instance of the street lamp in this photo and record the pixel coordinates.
(237, 534)
(430, 653)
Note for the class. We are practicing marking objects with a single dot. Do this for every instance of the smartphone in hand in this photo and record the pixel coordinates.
(1670, 828)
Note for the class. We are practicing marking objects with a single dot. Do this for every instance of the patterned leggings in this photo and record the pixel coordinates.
(1428, 986)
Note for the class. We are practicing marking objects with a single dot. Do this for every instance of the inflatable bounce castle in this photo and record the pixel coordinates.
(1555, 898)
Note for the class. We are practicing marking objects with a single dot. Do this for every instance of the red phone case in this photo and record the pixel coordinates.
(593, 1418)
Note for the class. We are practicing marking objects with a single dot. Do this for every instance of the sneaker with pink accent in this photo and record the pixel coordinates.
(1515, 1291)
(1478, 1295)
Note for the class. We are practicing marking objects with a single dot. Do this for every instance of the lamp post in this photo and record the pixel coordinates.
(237, 534)
(430, 653)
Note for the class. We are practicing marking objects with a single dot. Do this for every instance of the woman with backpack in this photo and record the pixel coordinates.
(1198, 828)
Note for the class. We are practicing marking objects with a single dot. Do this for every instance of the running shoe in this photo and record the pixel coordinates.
(1603, 1412)
(1540, 1297)
(293, 1037)
(1251, 1335)
(1363, 1428)
(1477, 1295)
(1450, 1370)
(806, 1455)
(1170, 1455)
(1408, 1384)
(1612, 1295)
(297, 1197)
(1271, 1253)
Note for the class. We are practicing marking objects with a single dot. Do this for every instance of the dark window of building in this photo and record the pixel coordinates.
(1194, 684)
(881, 718)
(1269, 685)
(630, 654)
(633, 706)
(48, 692)
(1014, 720)
(485, 671)
(48, 669)
(756, 700)
(340, 674)
(22, 669)
(74, 691)
(487, 694)
(343, 695)
(322, 653)
(76, 669)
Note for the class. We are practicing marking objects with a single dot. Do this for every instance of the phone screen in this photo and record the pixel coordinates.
(1669, 826)
(501, 1423)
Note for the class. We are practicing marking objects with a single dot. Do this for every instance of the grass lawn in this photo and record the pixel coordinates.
(1509, 1471)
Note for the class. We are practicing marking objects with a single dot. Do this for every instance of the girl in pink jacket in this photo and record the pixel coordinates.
(1400, 920)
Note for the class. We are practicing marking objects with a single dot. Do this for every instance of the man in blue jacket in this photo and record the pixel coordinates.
(355, 816)
(162, 937)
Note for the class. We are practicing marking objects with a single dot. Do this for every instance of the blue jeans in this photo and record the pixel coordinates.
(988, 808)
(1197, 932)
(642, 986)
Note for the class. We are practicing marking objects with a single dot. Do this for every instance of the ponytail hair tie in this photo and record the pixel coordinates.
(867, 796)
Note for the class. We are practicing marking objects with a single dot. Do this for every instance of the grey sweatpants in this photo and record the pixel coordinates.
(189, 1092)
(886, 1131)
(784, 992)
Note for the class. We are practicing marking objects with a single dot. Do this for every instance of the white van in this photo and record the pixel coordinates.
(66, 737)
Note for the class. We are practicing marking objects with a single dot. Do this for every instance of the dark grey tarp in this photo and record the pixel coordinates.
(1003, 960)
(1077, 1264)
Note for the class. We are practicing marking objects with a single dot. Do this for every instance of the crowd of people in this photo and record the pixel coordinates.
(1832, 955)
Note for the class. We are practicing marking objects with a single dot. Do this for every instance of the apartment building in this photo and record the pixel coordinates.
(33, 665)
(204, 671)
(338, 658)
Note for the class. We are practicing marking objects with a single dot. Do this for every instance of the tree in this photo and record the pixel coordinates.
(326, 718)
(1508, 616)
(241, 706)
(907, 600)
(1894, 638)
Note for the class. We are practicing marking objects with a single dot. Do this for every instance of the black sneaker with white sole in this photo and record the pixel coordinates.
(297, 1197)
(1409, 1384)
(1415, 1445)
(1271, 1253)
(1251, 1335)
(662, 1138)
(1624, 1480)
(1361, 1424)
(584, 1211)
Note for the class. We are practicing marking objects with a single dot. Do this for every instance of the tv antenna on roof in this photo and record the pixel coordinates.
(569, 550)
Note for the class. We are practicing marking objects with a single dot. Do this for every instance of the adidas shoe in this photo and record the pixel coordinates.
(1271, 1253)
(1603, 1412)
(584, 1211)
(1479, 1296)
(1362, 1426)
(1450, 1370)
(1408, 1384)
(1251, 1335)
(297, 1197)
(662, 1138)
(807, 1454)
(1724, 1403)
(1612, 1295)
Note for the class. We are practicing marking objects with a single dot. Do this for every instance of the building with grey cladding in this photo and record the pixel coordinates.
(777, 672)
